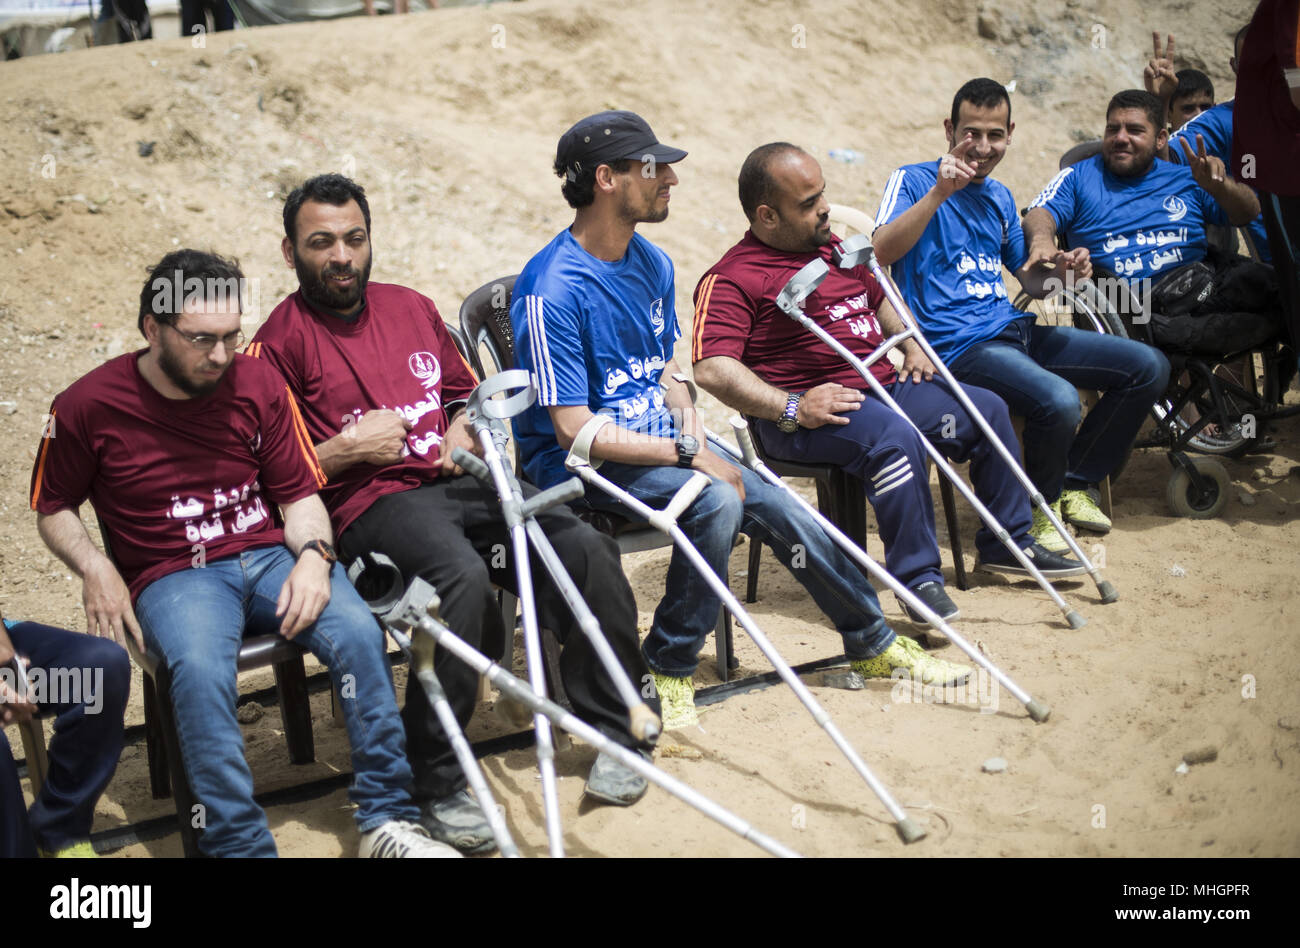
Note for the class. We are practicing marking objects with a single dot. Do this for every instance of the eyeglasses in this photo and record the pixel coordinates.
(206, 342)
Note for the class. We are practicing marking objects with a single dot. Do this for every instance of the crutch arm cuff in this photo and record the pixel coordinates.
(580, 450)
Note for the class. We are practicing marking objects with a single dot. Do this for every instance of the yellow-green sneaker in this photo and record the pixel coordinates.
(905, 653)
(1081, 510)
(1044, 534)
(676, 701)
(78, 850)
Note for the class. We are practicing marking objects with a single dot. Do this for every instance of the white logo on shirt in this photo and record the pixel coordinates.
(425, 368)
(657, 316)
(1175, 206)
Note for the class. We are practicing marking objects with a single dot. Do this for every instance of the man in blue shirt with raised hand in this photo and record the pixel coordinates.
(594, 322)
(948, 228)
(1213, 125)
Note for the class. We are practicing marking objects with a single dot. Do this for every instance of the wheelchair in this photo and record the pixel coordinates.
(1207, 409)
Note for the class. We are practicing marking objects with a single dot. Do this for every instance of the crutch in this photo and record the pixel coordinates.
(856, 251)
(409, 616)
(387, 584)
(790, 301)
(579, 462)
(486, 416)
(1038, 710)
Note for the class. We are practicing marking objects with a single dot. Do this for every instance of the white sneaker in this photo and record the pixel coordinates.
(400, 840)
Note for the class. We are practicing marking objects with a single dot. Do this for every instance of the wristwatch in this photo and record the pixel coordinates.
(687, 448)
(320, 546)
(788, 422)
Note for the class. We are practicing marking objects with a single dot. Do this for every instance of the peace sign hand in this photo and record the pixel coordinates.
(1159, 76)
(1208, 170)
(955, 172)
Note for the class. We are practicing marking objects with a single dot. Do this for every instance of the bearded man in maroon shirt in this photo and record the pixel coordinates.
(382, 389)
(185, 449)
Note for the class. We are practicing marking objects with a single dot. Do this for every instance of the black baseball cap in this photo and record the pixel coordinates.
(609, 136)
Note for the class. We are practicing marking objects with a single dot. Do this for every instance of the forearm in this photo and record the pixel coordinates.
(893, 240)
(338, 453)
(66, 536)
(612, 441)
(1040, 229)
(306, 520)
(677, 397)
(1238, 200)
(732, 383)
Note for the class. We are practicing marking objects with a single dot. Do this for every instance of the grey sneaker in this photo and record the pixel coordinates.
(458, 820)
(611, 782)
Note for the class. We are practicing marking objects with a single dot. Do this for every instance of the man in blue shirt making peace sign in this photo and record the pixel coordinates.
(948, 228)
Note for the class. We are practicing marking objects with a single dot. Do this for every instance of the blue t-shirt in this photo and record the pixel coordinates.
(592, 333)
(1215, 128)
(1137, 228)
(952, 276)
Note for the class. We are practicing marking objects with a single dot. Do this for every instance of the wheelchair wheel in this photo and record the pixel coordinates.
(1187, 501)
(1080, 307)
(1229, 441)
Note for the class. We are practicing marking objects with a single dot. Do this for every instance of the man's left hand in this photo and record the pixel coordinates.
(304, 595)
(1206, 169)
(916, 364)
(459, 435)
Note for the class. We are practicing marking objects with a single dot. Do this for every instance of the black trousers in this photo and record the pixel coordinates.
(451, 533)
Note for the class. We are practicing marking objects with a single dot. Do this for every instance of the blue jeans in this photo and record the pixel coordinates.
(195, 619)
(1037, 370)
(689, 609)
(87, 738)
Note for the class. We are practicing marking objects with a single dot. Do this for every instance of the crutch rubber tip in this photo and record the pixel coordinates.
(644, 724)
(908, 831)
(1076, 621)
(1108, 591)
(1039, 711)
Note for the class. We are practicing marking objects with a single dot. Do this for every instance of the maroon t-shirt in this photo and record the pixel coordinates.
(175, 481)
(1265, 122)
(397, 354)
(736, 315)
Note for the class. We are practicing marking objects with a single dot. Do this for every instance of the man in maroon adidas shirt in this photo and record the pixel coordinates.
(812, 405)
(184, 449)
(382, 388)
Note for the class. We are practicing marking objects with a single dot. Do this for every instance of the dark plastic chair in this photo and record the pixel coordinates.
(485, 322)
(166, 769)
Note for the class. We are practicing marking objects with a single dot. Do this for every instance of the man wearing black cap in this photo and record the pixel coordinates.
(595, 323)
(383, 390)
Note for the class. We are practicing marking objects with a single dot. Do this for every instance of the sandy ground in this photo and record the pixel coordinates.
(449, 119)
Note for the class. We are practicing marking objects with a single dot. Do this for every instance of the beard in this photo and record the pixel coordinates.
(318, 289)
(1140, 166)
(172, 368)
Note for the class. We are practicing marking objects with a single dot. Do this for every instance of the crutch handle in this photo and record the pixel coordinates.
(745, 439)
(644, 724)
(473, 465)
(684, 497)
(561, 493)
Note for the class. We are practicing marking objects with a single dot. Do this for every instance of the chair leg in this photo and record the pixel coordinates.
(751, 580)
(187, 810)
(724, 646)
(954, 532)
(295, 710)
(38, 762)
(160, 784)
(555, 684)
(1103, 488)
